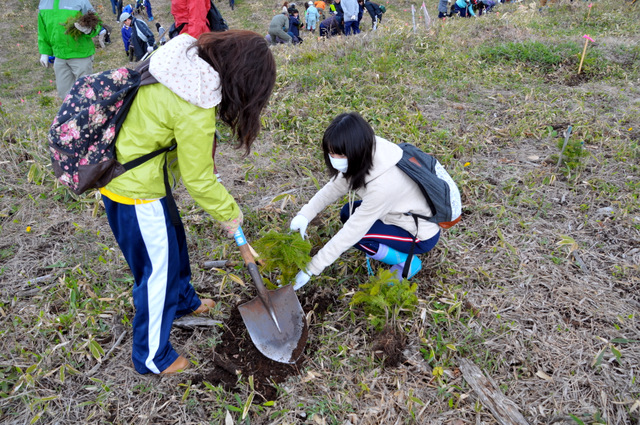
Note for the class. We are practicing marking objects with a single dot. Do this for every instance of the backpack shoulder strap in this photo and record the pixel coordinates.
(145, 76)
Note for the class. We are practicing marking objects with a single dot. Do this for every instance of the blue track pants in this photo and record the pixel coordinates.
(156, 252)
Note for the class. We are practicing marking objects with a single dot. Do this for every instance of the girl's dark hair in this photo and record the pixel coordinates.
(247, 74)
(350, 135)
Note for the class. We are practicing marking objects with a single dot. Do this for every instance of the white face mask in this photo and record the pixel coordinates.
(340, 164)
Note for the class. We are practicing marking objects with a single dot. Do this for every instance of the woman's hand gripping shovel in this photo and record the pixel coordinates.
(274, 319)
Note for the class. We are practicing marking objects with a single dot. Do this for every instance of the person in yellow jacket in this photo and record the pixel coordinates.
(229, 75)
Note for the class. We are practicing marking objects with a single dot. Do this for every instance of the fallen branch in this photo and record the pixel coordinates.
(503, 409)
(190, 322)
(218, 264)
(226, 365)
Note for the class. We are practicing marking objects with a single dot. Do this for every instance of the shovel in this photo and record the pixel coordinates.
(274, 319)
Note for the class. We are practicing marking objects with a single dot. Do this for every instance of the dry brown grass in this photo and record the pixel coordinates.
(538, 286)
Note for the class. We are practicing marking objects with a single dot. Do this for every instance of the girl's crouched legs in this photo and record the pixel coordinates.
(156, 252)
(390, 244)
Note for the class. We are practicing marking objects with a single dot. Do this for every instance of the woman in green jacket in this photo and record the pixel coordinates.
(74, 55)
(229, 75)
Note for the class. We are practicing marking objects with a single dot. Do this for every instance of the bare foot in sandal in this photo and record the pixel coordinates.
(206, 305)
(178, 365)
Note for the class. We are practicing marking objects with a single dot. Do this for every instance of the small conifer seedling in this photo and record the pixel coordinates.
(283, 253)
(384, 297)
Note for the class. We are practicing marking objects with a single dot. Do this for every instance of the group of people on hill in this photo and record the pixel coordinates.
(199, 77)
(465, 8)
(342, 17)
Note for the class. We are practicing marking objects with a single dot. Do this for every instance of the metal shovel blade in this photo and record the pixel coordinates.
(284, 338)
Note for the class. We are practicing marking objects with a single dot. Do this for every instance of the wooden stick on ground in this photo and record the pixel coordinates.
(503, 409)
(190, 322)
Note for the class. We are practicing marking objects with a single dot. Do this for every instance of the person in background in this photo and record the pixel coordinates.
(136, 36)
(74, 56)
(443, 8)
(162, 34)
(104, 36)
(118, 10)
(311, 17)
(330, 27)
(232, 4)
(127, 9)
(147, 6)
(193, 14)
(360, 12)
(320, 7)
(374, 11)
(294, 26)
(463, 8)
(285, 7)
(350, 9)
(278, 28)
(114, 7)
(222, 75)
(126, 32)
(363, 164)
(339, 13)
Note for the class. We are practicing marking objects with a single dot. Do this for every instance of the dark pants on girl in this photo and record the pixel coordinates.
(391, 236)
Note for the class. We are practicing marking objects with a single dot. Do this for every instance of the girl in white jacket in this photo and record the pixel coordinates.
(359, 161)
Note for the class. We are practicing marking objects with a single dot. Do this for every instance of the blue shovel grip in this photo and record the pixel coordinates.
(239, 237)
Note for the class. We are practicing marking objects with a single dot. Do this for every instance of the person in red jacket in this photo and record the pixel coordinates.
(192, 13)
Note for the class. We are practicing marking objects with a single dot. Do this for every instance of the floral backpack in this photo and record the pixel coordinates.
(83, 134)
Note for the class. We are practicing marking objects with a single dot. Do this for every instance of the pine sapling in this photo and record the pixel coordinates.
(284, 254)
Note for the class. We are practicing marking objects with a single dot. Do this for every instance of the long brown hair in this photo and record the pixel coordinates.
(247, 73)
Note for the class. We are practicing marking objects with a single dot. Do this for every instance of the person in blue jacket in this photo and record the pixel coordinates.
(463, 8)
(294, 26)
(137, 35)
(126, 32)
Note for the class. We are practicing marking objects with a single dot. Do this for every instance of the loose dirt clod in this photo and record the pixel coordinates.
(388, 345)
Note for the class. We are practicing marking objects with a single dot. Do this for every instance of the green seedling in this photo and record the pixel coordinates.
(283, 254)
(384, 297)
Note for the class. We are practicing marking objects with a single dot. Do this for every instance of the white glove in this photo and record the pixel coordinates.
(302, 278)
(44, 60)
(300, 222)
(149, 49)
(85, 30)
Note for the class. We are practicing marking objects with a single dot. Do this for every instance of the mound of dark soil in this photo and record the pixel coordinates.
(237, 355)
(388, 345)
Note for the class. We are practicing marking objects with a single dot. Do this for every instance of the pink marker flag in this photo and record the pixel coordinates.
(590, 4)
(588, 38)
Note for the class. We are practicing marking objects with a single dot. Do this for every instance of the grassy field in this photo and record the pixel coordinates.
(538, 286)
